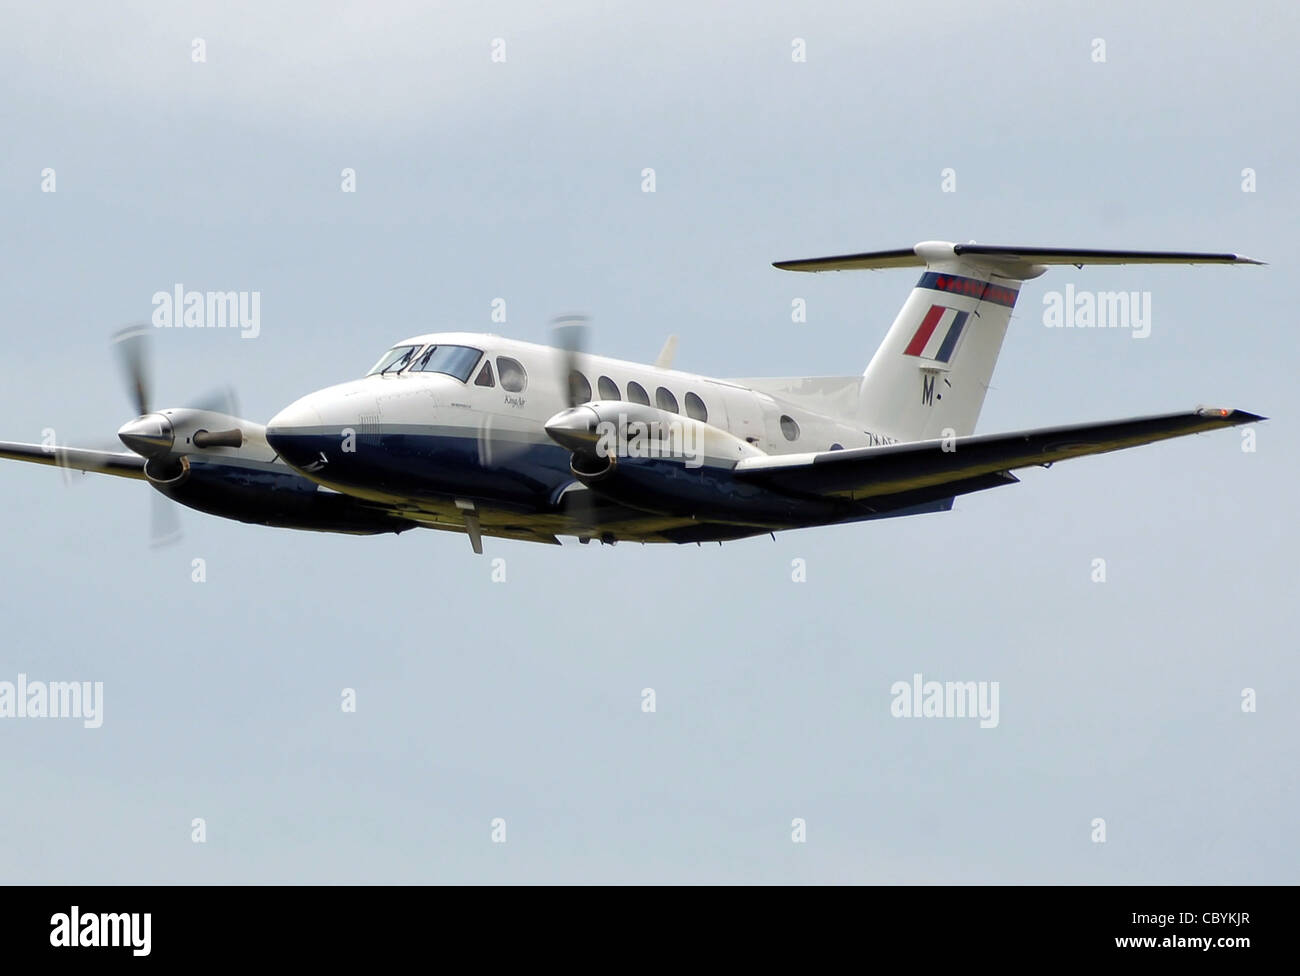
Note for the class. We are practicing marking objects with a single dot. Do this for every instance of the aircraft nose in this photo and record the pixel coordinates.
(299, 415)
(148, 435)
(292, 431)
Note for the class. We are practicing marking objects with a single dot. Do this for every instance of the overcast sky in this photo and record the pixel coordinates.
(479, 179)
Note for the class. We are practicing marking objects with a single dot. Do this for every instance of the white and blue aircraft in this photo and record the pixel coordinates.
(491, 436)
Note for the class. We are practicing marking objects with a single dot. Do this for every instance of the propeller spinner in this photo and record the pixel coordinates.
(149, 436)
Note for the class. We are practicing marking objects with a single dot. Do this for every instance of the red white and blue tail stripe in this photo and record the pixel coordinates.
(937, 336)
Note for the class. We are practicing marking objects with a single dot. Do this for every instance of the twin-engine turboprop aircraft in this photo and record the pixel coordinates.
(495, 437)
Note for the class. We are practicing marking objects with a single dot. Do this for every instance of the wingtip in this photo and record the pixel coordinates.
(1240, 416)
(1231, 417)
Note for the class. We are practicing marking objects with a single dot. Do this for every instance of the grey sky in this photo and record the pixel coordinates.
(521, 700)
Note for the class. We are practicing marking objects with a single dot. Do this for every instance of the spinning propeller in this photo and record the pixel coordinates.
(570, 334)
(152, 435)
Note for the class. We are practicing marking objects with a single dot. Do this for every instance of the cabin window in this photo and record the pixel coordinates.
(513, 377)
(579, 388)
(789, 428)
(695, 408)
(607, 389)
(485, 376)
(664, 400)
(636, 393)
(457, 361)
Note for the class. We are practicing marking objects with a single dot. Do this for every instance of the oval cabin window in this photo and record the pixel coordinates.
(579, 388)
(664, 400)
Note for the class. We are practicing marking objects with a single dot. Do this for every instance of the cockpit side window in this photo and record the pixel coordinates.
(457, 361)
(395, 359)
(485, 376)
(513, 377)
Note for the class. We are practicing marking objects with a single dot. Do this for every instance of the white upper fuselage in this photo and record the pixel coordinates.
(409, 398)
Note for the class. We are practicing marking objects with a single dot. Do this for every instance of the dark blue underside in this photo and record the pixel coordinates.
(512, 475)
(283, 499)
(530, 477)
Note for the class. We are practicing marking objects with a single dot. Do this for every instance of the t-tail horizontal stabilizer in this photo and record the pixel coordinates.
(1007, 260)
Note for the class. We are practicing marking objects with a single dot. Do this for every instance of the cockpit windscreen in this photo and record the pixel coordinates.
(457, 361)
(395, 359)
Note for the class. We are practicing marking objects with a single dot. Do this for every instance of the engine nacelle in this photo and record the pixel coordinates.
(617, 429)
(273, 495)
(667, 464)
(219, 464)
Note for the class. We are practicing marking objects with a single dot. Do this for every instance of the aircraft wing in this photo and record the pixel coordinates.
(101, 462)
(898, 474)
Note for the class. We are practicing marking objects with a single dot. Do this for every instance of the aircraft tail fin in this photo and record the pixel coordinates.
(929, 377)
